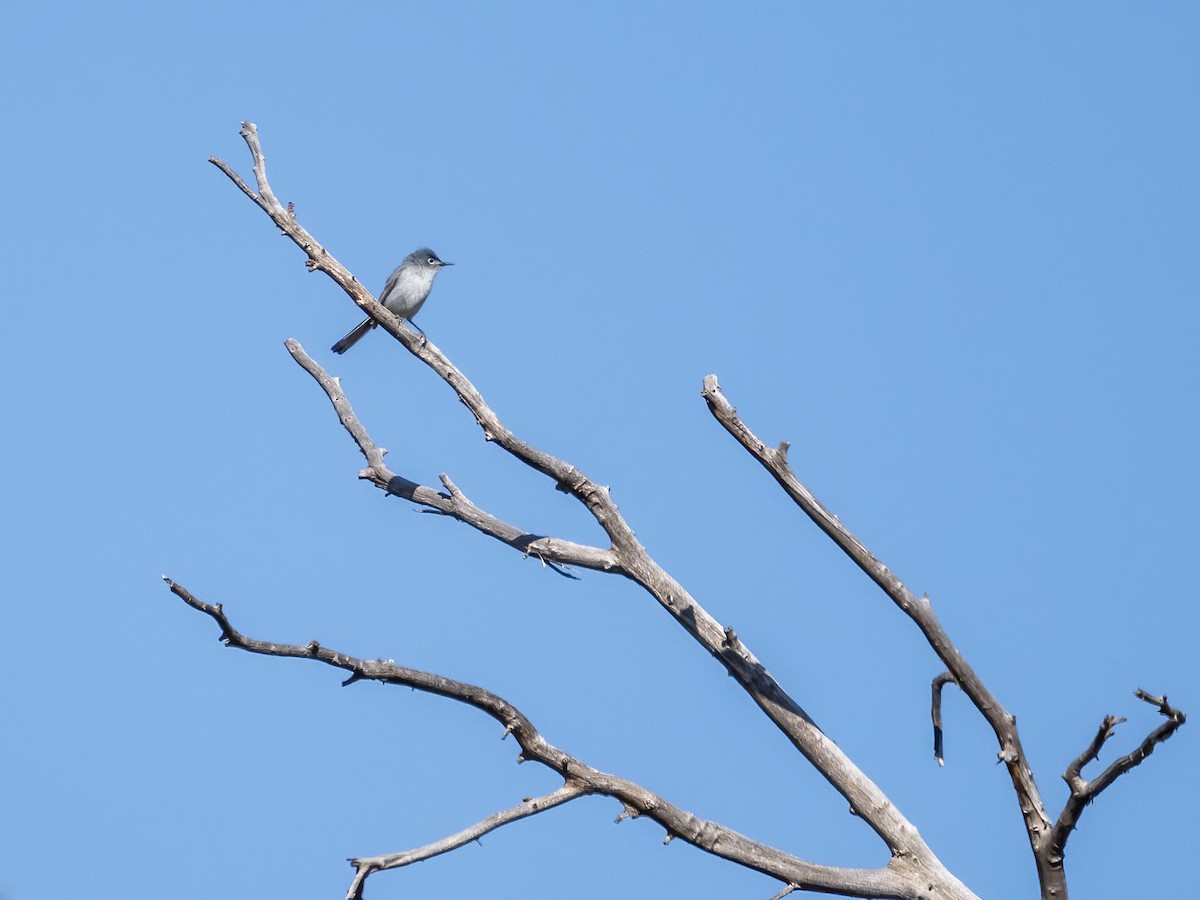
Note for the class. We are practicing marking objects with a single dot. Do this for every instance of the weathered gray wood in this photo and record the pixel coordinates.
(1047, 841)
(913, 872)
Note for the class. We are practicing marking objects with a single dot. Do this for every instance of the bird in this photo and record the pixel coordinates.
(405, 292)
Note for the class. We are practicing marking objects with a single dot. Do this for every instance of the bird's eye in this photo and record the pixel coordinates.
(433, 260)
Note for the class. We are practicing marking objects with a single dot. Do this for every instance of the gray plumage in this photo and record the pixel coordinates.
(404, 294)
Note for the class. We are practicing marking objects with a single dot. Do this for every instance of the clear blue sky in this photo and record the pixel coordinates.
(948, 252)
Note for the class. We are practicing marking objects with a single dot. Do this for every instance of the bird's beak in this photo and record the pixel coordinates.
(444, 263)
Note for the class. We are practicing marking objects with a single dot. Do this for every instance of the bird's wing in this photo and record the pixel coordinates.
(391, 283)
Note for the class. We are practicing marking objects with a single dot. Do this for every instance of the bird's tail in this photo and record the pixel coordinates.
(353, 337)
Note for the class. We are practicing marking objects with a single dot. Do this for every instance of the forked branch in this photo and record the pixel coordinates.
(530, 806)
(1046, 841)
(552, 551)
(628, 558)
(896, 879)
(1083, 792)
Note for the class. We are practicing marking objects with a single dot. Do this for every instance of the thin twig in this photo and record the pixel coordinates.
(365, 866)
(454, 504)
(1084, 792)
(939, 682)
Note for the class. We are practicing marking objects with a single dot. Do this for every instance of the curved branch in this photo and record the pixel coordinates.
(551, 551)
(1083, 792)
(530, 806)
(900, 878)
(1037, 824)
(935, 713)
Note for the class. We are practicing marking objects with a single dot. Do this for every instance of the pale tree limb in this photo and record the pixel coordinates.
(775, 461)
(458, 506)
(553, 552)
(530, 806)
(1046, 840)
(897, 879)
(632, 560)
(1083, 792)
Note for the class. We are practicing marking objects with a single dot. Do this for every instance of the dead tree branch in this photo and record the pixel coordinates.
(530, 806)
(895, 880)
(775, 461)
(628, 558)
(939, 682)
(1083, 792)
(1045, 840)
(552, 551)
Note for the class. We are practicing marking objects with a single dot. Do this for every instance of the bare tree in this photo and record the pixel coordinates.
(913, 872)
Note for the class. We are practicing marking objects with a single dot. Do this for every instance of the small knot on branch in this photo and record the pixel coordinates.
(627, 812)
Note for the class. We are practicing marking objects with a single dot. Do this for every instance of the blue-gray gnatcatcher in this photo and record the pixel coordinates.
(405, 291)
